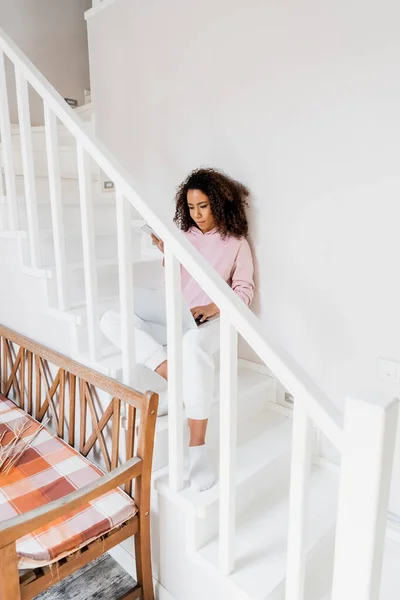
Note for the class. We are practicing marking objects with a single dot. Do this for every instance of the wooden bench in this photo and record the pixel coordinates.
(44, 383)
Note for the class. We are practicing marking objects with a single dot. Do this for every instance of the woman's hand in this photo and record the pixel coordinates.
(158, 243)
(206, 312)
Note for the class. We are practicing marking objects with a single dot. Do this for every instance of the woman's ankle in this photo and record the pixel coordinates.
(163, 369)
(197, 428)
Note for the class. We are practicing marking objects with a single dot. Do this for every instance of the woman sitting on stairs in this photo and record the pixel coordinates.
(210, 209)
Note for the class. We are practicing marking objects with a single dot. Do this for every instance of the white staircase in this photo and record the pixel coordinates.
(266, 531)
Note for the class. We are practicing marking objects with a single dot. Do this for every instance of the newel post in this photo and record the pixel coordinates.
(368, 447)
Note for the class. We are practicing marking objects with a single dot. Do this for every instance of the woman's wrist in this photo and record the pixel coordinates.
(214, 308)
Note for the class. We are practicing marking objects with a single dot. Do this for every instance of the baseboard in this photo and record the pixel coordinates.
(128, 563)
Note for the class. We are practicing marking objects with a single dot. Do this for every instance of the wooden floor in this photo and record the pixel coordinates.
(102, 579)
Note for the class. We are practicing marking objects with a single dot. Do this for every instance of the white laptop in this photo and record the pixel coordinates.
(150, 306)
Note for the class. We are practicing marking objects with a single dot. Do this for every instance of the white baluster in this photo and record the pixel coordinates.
(89, 252)
(228, 440)
(175, 362)
(6, 142)
(25, 133)
(366, 471)
(125, 271)
(299, 486)
(56, 203)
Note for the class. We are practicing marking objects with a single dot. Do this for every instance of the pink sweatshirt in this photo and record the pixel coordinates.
(231, 258)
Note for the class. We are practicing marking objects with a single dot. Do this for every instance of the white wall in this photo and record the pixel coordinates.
(53, 35)
(301, 102)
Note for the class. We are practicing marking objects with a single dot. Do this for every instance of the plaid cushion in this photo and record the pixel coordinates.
(49, 470)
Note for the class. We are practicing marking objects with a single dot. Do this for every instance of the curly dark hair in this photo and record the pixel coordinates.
(227, 201)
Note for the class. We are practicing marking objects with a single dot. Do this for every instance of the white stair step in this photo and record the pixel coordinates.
(262, 439)
(68, 163)
(261, 535)
(106, 245)
(65, 138)
(107, 277)
(69, 190)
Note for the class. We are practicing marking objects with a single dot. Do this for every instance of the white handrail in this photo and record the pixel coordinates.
(322, 411)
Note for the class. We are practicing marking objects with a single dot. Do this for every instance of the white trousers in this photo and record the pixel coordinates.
(199, 348)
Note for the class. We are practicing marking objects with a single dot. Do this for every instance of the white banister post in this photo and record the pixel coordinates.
(56, 204)
(89, 252)
(125, 272)
(25, 133)
(366, 471)
(175, 368)
(299, 485)
(6, 142)
(228, 439)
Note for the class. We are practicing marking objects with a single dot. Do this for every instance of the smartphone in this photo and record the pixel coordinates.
(150, 231)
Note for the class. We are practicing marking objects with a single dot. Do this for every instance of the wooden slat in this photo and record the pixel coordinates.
(30, 382)
(38, 383)
(72, 404)
(115, 432)
(1, 361)
(14, 365)
(106, 416)
(1, 365)
(130, 441)
(5, 362)
(95, 424)
(7, 149)
(50, 391)
(82, 401)
(61, 405)
(56, 204)
(22, 379)
(25, 132)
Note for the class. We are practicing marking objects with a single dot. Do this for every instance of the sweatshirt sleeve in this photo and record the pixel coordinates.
(243, 273)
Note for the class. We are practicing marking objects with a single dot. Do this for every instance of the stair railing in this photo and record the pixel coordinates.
(366, 440)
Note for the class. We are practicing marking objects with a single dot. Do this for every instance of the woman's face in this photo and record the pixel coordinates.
(200, 210)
